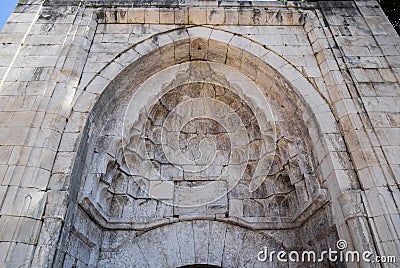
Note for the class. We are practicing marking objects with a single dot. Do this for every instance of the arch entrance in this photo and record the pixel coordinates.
(198, 163)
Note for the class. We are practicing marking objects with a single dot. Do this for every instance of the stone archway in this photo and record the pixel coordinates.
(308, 211)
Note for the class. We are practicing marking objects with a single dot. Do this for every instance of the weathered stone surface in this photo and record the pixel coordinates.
(123, 125)
(200, 198)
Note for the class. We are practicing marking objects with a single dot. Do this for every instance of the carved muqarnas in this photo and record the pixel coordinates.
(202, 147)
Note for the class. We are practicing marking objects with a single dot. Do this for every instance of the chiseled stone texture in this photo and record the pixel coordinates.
(152, 134)
(185, 243)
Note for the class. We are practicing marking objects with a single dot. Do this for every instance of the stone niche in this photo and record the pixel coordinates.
(202, 146)
(198, 162)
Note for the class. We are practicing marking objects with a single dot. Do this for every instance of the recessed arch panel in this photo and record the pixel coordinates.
(130, 183)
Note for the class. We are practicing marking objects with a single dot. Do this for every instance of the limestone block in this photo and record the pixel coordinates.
(111, 15)
(35, 178)
(245, 16)
(181, 16)
(3, 251)
(387, 75)
(145, 210)
(394, 61)
(69, 142)
(111, 71)
(63, 162)
(379, 201)
(233, 243)
(289, 72)
(356, 51)
(234, 57)
(9, 173)
(345, 107)
(151, 15)
(131, 255)
(98, 84)
(3, 191)
(113, 239)
(381, 224)
(216, 241)
(164, 40)
(13, 135)
(231, 16)
(13, 37)
(135, 15)
(206, 198)
(93, 67)
(19, 229)
(18, 254)
(122, 16)
(392, 136)
(161, 189)
(36, 61)
(199, 32)
(171, 172)
(146, 47)
(58, 182)
(161, 251)
(57, 203)
(3, 171)
(254, 242)
(27, 202)
(115, 38)
(392, 154)
(382, 104)
(198, 49)
(75, 122)
(367, 75)
(197, 16)
(215, 16)
(249, 65)
(108, 48)
(381, 89)
(275, 61)
(167, 16)
(69, 260)
(139, 188)
(15, 28)
(85, 102)
(184, 235)
(84, 248)
(5, 154)
(236, 207)
(201, 243)
(221, 36)
(312, 71)
(17, 103)
(326, 125)
(21, 17)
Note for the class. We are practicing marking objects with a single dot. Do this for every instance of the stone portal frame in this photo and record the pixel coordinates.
(361, 93)
(227, 48)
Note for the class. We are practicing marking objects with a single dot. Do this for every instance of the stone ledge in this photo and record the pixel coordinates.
(195, 15)
(100, 217)
(186, 3)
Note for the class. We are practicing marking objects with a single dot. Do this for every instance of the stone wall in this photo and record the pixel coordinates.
(135, 132)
